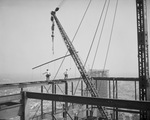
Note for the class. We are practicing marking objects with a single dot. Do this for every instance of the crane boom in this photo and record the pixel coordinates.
(78, 62)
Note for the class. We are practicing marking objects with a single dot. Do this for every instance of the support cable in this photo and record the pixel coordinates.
(100, 35)
(112, 28)
(95, 34)
(93, 39)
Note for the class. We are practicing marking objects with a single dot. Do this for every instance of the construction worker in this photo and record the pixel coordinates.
(66, 74)
(47, 74)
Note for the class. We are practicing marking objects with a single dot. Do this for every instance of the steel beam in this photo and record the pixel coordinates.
(117, 78)
(129, 104)
(59, 81)
(143, 57)
(29, 84)
(9, 98)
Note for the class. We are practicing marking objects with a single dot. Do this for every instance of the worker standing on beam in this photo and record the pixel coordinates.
(66, 74)
(48, 74)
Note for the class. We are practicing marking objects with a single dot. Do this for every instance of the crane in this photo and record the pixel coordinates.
(79, 64)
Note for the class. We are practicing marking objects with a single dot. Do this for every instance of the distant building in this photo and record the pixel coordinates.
(98, 73)
(100, 85)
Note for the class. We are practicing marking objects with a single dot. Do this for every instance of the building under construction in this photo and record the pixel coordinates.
(92, 96)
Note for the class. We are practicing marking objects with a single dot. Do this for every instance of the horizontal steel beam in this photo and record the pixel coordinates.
(129, 104)
(116, 78)
(59, 81)
(9, 98)
(30, 84)
(124, 110)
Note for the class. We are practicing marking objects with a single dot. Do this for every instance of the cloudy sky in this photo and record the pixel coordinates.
(25, 37)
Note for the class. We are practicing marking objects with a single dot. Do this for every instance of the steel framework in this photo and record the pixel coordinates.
(143, 58)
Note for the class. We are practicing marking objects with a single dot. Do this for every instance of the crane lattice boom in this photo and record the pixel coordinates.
(78, 62)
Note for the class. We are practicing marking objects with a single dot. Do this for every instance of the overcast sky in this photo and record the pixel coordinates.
(25, 37)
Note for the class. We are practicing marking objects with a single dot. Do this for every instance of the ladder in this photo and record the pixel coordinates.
(79, 64)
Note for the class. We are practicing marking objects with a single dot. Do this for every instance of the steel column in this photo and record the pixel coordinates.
(143, 59)
(53, 102)
(41, 103)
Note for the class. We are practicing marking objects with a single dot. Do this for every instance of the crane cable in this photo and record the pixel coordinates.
(100, 35)
(93, 39)
(95, 33)
(53, 25)
(110, 38)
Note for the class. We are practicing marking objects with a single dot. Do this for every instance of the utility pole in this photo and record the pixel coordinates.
(143, 58)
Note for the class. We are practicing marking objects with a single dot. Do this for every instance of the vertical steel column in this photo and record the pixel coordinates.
(53, 102)
(113, 90)
(109, 89)
(116, 98)
(143, 59)
(135, 90)
(66, 92)
(66, 103)
(87, 106)
(72, 92)
(41, 103)
(21, 101)
(82, 88)
(25, 107)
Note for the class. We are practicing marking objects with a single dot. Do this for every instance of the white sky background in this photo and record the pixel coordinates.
(25, 37)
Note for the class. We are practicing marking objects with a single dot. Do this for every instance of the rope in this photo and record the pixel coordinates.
(100, 33)
(110, 35)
